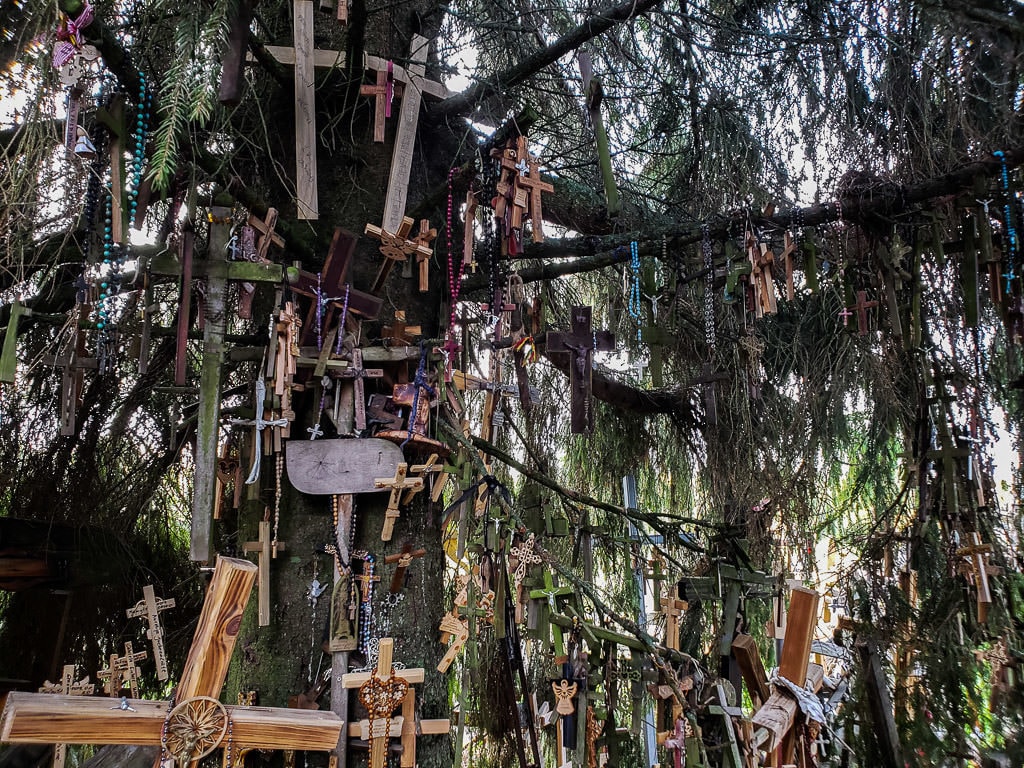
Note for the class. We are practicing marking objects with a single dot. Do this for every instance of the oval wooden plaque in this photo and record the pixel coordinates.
(327, 467)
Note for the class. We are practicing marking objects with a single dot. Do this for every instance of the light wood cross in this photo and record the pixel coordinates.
(788, 249)
(67, 687)
(535, 186)
(113, 677)
(266, 236)
(9, 355)
(424, 238)
(976, 554)
(672, 608)
(398, 484)
(396, 246)
(456, 631)
(267, 551)
(129, 669)
(149, 608)
(27, 718)
(382, 92)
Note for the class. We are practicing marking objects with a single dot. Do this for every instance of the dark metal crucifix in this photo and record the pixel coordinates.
(581, 343)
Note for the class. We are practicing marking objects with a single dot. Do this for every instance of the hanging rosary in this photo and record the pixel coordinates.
(634, 288)
(709, 288)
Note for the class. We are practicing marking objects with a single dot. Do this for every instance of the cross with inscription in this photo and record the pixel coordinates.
(68, 687)
(580, 343)
(149, 608)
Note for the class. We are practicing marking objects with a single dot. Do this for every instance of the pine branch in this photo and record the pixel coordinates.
(465, 102)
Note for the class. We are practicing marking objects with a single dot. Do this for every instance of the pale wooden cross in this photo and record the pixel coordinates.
(788, 249)
(130, 669)
(456, 631)
(535, 186)
(580, 343)
(267, 550)
(468, 230)
(67, 687)
(976, 554)
(432, 466)
(761, 260)
(396, 246)
(266, 236)
(9, 355)
(424, 238)
(149, 608)
(672, 608)
(398, 332)
(27, 718)
(113, 677)
(399, 484)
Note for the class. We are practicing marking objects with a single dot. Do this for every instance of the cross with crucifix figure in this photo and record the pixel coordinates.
(149, 608)
(27, 718)
(399, 485)
(266, 550)
(67, 687)
(396, 246)
(580, 343)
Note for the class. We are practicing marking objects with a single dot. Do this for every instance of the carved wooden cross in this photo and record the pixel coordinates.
(356, 373)
(382, 692)
(424, 238)
(862, 306)
(456, 631)
(68, 687)
(536, 186)
(27, 718)
(266, 236)
(396, 246)
(404, 560)
(580, 343)
(113, 677)
(149, 608)
(761, 260)
(129, 669)
(382, 92)
(672, 608)
(266, 551)
(398, 485)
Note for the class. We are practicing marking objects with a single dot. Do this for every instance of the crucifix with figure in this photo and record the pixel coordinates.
(580, 343)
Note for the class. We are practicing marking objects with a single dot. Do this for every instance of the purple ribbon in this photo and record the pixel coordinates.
(69, 36)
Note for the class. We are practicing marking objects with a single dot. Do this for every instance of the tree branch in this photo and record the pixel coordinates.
(465, 102)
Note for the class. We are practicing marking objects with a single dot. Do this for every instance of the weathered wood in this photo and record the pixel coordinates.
(880, 705)
(149, 609)
(9, 355)
(776, 716)
(344, 466)
(217, 631)
(33, 718)
(800, 623)
(305, 113)
(580, 344)
(232, 67)
(263, 549)
(744, 648)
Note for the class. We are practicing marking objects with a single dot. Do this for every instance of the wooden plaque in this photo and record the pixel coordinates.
(327, 467)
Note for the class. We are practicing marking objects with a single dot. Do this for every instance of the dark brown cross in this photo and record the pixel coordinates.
(331, 284)
(789, 248)
(424, 238)
(862, 306)
(73, 360)
(580, 343)
(381, 91)
(357, 373)
(396, 247)
(266, 235)
(404, 560)
(398, 332)
(535, 186)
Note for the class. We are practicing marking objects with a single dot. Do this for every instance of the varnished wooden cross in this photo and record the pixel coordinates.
(580, 343)
(266, 551)
(396, 246)
(68, 687)
(672, 608)
(382, 92)
(130, 669)
(404, 560)
(424, 238)
(399, 484)
(862, 306)
(536, 186)
(149, 608)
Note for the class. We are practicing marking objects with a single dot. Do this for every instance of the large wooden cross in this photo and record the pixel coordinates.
(149, 608)
(580, 343)
(28, 718)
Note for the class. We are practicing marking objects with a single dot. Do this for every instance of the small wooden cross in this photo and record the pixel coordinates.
(404, 560)
(551, 593)
(396, 247)
(976, 554)
(356, 373)
(456, 631)
(398, 484)
(398, 333)
(382, 92)
(266, 236)
(113, 677)
(788, 249)
(580, 343)
(382, 692)
(130, 669)
(149, 608)
(424, 238)
(535, 185)
(431, 466)
(862, 306)
(672, 608)
(266, 551)
(67, 687)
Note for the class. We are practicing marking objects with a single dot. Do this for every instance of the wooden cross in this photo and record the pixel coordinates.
(656, 337)
(761, 260)
(130, 669)
(977, 555)
(73, 360)
(580, 343)
(404, 560)
(594, 94)
(356, 373)
(27, 718)
(217, 272)
(266, 236)
(68, 687)
(536, 186)
(469, 229)
(398, 485)
(113, 677)
(432, 466)
(551, 593)
(266, 551)
(398, 333)
(382, 692)
(382, 92)
(366, 581)
(862, 306)
(788, 249)
(456, 631)
(396, 246)
(672, 608)
(424, 238)
(149, 608)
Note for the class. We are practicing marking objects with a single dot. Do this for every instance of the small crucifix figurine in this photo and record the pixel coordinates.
(149, 608)
(581, 343)
(398, 485)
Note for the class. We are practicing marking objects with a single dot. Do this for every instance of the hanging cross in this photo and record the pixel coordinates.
(382, 92)
(788, 249)
(431, 466)
(356, 373)
(580, 343)
(453, 630)
(862, 306)
(976, 554)
(149, 608)
(266, 235)
(535, 186)
(672, 608)
(266, 550)
(366, 581)
(130, 669)
(398, 484)
(73, 360)
(28, 718)
(404, 560)
(846, 314)
(424, 238)
(396, 246)
(550, 593)
(469, 229)
(67, 687)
